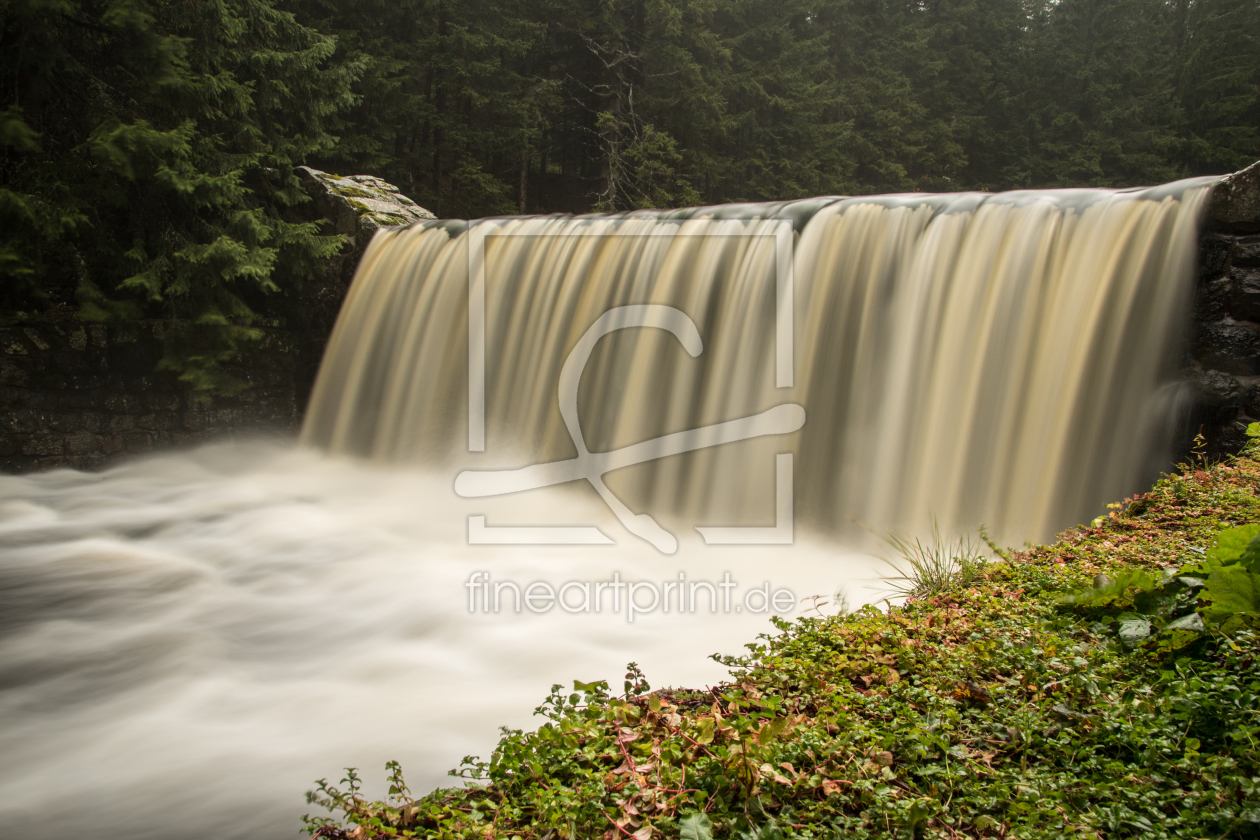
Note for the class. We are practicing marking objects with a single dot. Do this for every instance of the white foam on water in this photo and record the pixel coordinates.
(190, 640)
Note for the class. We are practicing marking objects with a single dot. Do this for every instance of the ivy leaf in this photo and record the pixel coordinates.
(1193, 621)
(1183, 632)
(919, 812)
(771, 731)
(1133, 629)
(696, 826)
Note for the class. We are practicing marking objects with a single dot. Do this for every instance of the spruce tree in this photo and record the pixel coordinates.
(1100, 108)
(148, 159)
(1218, 77)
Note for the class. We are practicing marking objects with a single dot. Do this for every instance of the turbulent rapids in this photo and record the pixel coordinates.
(969, 358)
(189, 640)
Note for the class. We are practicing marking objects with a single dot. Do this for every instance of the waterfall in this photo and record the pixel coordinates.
(191, 639)
(1003, 359)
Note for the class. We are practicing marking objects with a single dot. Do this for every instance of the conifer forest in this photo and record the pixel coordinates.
(147, 146)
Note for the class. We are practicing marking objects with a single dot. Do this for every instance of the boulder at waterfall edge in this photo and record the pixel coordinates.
(359, 205)
(1236, 199)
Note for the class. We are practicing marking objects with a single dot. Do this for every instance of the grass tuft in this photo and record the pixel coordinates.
(936, 567)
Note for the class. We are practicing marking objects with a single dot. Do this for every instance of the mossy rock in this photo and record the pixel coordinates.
(354, 192)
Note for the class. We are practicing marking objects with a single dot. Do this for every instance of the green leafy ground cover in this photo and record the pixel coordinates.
(1040, 700)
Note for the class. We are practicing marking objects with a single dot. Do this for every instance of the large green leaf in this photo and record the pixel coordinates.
(1234, 545)
(1231, 589)
(696, 826)
(1250, 557)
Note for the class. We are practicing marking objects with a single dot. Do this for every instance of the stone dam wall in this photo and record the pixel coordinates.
(1223, 362)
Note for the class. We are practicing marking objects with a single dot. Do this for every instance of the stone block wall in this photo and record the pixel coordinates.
(1224, 354)
(81, 395)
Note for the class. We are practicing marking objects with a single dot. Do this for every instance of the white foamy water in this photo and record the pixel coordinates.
(190, 640)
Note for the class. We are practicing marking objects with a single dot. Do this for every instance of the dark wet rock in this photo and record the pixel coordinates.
(1246, 251)
(1236, 199)
(1214, 255)
(1230, 347)
(1214, 299)
(1218, 392)
(1250, 402)
(1245, 285)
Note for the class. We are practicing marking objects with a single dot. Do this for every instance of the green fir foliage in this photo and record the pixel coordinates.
(481, 109)
(148, 152)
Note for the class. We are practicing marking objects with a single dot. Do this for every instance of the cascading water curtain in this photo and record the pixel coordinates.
(1001, 359)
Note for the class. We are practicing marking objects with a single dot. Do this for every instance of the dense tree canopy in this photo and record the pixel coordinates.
(147, 146)
(488, 107)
